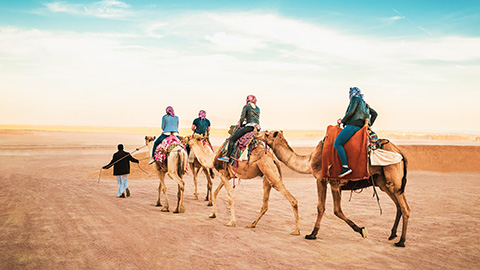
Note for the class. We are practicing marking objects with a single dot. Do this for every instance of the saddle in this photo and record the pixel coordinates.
(357, 155)
(242, 147)
(166, 147)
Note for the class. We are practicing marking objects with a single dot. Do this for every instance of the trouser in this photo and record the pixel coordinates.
(159, 141)
(343, 137)
(237, 135)
(122, 181)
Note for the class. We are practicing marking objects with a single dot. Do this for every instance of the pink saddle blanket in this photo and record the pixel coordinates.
(164, 148)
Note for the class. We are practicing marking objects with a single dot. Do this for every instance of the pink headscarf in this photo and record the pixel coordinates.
(251, 99)
(202, 114)
(170, 111)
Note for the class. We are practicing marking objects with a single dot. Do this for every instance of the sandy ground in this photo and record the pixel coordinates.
(54, 214)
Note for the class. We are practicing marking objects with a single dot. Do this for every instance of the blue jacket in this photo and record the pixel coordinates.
(169, 123)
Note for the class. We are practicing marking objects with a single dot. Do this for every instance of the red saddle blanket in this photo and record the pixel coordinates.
(356, 149)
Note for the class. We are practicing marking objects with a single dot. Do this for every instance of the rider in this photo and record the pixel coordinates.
(358, 111)
(169, 127)
(249, 121)
(201, 125)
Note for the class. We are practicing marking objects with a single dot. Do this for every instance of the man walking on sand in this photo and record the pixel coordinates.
(121, 169)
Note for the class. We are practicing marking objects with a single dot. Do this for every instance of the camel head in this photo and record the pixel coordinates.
(149, 139)
(269, 137)
(184, 140)
(191, 140)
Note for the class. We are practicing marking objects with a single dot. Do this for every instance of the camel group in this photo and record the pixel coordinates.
(390, 179)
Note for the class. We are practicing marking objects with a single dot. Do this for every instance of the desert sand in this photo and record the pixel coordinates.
(54, 214)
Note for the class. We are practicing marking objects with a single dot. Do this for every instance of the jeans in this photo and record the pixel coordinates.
(122, 181)
(343, 137)
(237, 135)
(159, 141)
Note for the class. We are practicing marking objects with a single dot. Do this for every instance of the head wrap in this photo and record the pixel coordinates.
(251, 99)
(202, 114)
(170, 111)
(355, 92)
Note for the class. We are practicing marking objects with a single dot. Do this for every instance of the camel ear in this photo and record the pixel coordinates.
(145, 137)
(281, 131)
(275, 134)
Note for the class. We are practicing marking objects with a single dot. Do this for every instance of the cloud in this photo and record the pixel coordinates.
(101, 9)
(202, 55)
(229, 42)
(396, 18)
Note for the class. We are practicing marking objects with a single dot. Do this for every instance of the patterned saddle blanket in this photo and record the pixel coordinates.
(166, 147)
(242, 147)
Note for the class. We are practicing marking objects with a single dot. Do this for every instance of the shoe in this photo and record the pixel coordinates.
(128, 192)
(122, 196)
(224, 159)
(345, 171)
(152, 160)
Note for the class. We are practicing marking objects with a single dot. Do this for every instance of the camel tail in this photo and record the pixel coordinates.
(181, 158)
(404, 178)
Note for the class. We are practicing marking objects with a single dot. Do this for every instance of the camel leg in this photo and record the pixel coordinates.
(322, 195)
(266, 195)
(402, 200)
(380, 181)
(181, 187)
(231, 202)
(159, 203)
(393, 176)
(162, 188)
(209, 186)
(215, 195)
(272, 174)
(337, 204)
(195, 180)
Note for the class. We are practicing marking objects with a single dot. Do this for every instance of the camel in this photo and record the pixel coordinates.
(196, 167)
(391, 179)
(176, 159)
(261, 163)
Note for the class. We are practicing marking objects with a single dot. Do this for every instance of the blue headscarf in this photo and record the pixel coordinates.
(355, 92)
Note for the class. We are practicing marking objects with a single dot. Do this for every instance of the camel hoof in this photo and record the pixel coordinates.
(310, 237)
(230, 224)
(393, 236)
(296, 232)
(212, 215)
(251, 226)
(206, 199)
(399, 244)
(182, 209)
(165, 209)
(210, 204)
(158, 204)
(364, 232)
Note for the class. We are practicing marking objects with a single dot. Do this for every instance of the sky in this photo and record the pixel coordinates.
(121, 63)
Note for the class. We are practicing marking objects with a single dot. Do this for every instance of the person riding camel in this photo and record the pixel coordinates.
(249, 121)
(357, 112)
(169, 127)
(201, 125)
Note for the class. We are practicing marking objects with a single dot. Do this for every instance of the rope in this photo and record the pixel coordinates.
(373, 185)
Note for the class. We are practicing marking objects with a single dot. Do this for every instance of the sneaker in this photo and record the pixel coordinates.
(345, 171)
(128, 192)
(224, 159)
(152, 160)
